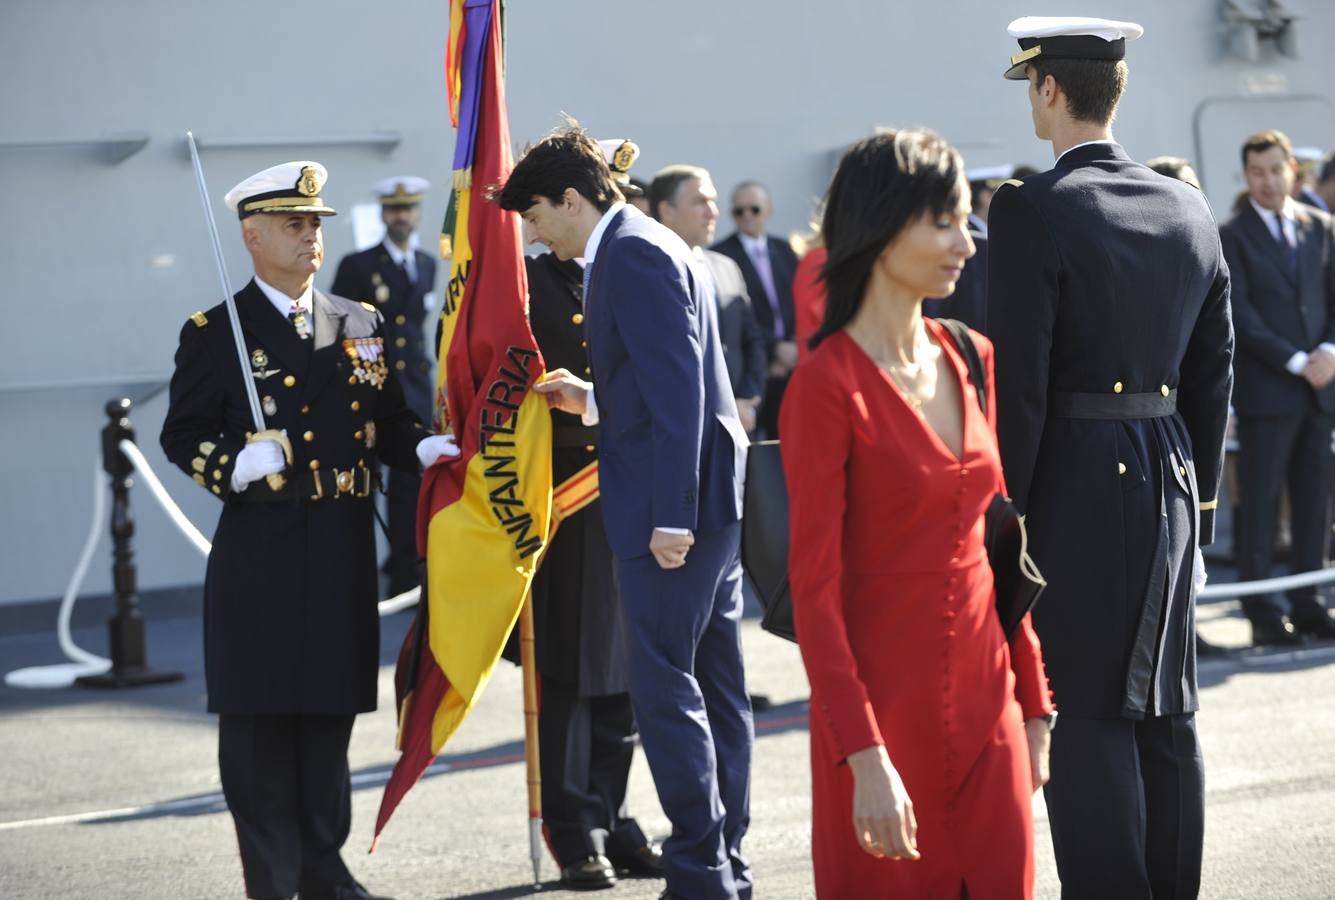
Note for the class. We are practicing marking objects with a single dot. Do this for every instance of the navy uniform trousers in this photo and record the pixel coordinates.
(683, 643)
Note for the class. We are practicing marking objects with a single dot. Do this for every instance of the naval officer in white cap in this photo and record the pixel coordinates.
(399, 280)
(1108, 305)
(291, 629)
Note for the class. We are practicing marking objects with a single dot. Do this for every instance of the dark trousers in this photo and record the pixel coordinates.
(684, 654)
(767, 418)
(288, 788)
(587, 746)
(403, 567)
(1126, 805)
(1272, 451)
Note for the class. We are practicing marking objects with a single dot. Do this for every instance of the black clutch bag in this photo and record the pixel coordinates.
(765, 537)
(765, 528)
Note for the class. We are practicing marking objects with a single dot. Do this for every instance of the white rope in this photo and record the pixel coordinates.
(179, 519)
(81, 661)
(1267, 585)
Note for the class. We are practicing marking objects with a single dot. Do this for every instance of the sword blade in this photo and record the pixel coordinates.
(238, 338)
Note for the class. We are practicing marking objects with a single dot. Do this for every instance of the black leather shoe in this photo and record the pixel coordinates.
(591, 874)
(1277, 633)
(645, 861)
(348, 890)
(1319, 628)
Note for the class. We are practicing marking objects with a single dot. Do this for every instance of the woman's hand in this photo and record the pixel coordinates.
(882, 811)
(1039, 737)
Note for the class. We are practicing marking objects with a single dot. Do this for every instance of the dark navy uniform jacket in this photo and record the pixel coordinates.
(1108, 304)
(372, 277)
(290, 619)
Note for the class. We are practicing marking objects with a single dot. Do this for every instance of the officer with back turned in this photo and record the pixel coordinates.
(1108, 304)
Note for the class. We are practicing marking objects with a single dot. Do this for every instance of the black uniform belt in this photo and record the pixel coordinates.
(1156, 405)
(334, 484)
(575, 436)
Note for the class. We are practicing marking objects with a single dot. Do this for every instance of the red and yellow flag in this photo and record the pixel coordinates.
(483, 517)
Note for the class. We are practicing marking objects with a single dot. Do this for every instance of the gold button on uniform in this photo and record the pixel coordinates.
(1117, 388)
(400, 319)
(305, 409)
(584, 343)
(315, 465)
(217, 474)
(400, 364)
(588, 371)
(1182, 470)
(1121, 468)
(308, 436)
(358, 435)
(289, 380)
(222, 460)
(356, 405)
(589, 447)
(352, 379)
(400, 342)
(1163, 389)
(217, 491)
(577, 319)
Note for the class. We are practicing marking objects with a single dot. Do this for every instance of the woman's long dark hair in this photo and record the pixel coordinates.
(882, 184)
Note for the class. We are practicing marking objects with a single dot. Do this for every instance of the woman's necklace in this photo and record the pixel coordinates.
(911, 380)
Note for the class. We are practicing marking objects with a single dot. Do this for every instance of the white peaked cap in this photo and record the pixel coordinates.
(292, 187)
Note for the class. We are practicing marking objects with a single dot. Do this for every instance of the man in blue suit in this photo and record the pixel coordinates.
(671, 458)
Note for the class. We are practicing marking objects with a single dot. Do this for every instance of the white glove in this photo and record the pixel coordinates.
(431, 449)
(256, 461)
(1198, 574)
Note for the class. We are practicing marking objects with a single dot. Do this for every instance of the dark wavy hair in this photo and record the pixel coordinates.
(565, 158)
(882, 185)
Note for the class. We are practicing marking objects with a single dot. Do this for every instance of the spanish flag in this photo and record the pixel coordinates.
(483, 517)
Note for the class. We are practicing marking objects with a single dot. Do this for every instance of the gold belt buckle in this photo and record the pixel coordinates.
(344, 481)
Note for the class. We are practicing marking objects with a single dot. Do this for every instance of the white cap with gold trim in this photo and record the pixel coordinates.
(293, 187)
(401, 190)
(1068, 37)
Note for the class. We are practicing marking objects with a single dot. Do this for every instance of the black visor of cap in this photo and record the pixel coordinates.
(1067, 46)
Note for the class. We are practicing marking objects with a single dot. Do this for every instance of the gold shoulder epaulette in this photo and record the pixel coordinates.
(1015, 181)
(199, 318)
(369, 307)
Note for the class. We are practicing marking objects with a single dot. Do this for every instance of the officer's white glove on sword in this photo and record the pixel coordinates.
(255, 461)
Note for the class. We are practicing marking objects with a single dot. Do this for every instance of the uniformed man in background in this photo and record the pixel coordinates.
(291, 629)
(1108, 304)
(399, 280)
(586, 729)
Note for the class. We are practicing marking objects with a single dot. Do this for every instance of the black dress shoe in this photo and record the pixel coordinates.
(645, 861)
(1319, 628)
(590, 874)
(348, 890)
(761, 703)
(1277, 633)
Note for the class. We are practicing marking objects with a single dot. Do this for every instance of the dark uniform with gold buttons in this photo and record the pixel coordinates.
(291, 628)
(400, 293)
(1108, 301)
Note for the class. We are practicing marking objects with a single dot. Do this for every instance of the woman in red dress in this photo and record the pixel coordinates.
(929, 730)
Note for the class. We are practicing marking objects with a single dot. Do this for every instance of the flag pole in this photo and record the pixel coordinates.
(528, 660)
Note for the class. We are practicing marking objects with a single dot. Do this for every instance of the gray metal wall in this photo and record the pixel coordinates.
(103, 261)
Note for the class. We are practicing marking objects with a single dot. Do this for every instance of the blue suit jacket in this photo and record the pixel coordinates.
(672, 451)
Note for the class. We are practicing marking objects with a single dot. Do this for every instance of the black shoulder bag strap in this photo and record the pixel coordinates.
(959, 333)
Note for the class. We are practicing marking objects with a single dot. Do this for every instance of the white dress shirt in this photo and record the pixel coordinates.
(406, 260)
(282, 302)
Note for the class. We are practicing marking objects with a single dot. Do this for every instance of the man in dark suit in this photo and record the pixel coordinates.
(398, 279)
(768, 264)
(291, 636)
(586, 728)
(683, 198)
(671, 458)
(1281, 258)
(1108, 308)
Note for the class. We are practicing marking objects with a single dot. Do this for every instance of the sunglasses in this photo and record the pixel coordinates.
(740, 211)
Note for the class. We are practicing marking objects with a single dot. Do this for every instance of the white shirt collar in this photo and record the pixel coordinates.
(754, 245)
(282, 302)
(1085, 144)
(1288, 214)
(401, 257)
(591, 248)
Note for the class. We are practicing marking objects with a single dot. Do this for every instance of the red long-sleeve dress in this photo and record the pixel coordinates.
(893, 604)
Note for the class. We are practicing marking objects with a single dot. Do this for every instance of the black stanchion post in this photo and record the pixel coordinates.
(129, 665)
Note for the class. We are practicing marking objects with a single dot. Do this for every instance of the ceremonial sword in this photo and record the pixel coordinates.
(261, 432)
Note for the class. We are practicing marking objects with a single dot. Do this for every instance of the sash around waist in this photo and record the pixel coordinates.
(1071, 405)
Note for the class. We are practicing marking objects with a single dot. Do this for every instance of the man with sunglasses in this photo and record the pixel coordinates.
(768, 264)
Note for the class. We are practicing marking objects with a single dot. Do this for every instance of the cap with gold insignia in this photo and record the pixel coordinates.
(401, 190)
(991, 177)
(293, 187)
(1068, 37)
(620, 155)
